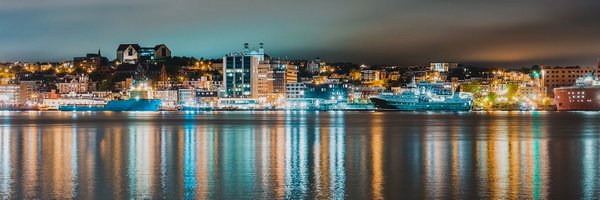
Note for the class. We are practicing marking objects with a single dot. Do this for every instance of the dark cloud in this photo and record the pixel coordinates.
(483, 32)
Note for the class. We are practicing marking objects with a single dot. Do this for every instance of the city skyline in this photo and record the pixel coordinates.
(507, 34)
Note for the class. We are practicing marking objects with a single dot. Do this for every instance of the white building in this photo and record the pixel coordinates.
(77, 84)
(168, 97)
(369, 75)
(442, 67)
(185, 96)
(10, 94)
(128, 53)
(53, 104)
(294, 90)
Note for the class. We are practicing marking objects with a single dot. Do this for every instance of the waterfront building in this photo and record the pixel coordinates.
(240, 72)
(30, 91)
(263, 81)
(185, 96)
(294, 90)
(53, 104)
(327, 95)
(238, 103)
(168, 97)
(10, 94)
(361, 94)
(553, 77)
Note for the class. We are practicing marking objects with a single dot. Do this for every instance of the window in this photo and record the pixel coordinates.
(130, 52)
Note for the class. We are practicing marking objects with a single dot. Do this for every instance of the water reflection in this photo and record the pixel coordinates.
(297, 155)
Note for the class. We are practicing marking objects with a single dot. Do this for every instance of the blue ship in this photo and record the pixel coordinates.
(117, 105)
(196, 108)
(133, 105)
(424, 97)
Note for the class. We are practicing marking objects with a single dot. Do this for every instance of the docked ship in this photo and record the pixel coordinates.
(583, 96)
(140, 99)
(424, 96)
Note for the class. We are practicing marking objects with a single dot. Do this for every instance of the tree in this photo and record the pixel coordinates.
(473, 88)
(512, 90)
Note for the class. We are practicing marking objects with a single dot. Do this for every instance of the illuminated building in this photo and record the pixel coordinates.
(442, 67)
(368, 76)
(10, 94)
(291, 74)
(78, 84)
(168, 97)
(553, 77)
(128, 53)
(263, 84)
(583, 96)
(53, 104)
(90, 61)
(29, 91)
(133, 53)
(185, 95)
(294, 90)
(240, 73)
(237, 103)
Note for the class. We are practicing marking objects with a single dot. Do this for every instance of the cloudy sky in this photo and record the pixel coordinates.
(476, 32)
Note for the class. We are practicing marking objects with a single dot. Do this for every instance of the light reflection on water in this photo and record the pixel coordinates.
(365, 155)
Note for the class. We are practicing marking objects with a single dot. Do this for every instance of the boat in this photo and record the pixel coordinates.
(583, 96)
(196, 108)
(139, 99)
(133, 105)
(424, 96)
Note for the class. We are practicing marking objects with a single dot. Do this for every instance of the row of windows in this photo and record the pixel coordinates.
(563, 76)
(576, 97)
(580, 101)
(568, 71)
(562, 80)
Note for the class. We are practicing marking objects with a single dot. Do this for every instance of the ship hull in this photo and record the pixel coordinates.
(79, 108)
(192, 108)
(384, 104)
(577, 99)
(133, 105)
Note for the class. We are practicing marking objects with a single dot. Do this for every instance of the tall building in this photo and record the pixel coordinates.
(291, 73)
(245, 76)
(238, 70)
(277, 74)
(553, 77)
(264, 77)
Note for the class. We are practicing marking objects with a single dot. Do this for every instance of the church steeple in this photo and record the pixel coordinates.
(163, 74)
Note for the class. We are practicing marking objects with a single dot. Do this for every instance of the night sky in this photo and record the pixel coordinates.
(475, 32)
